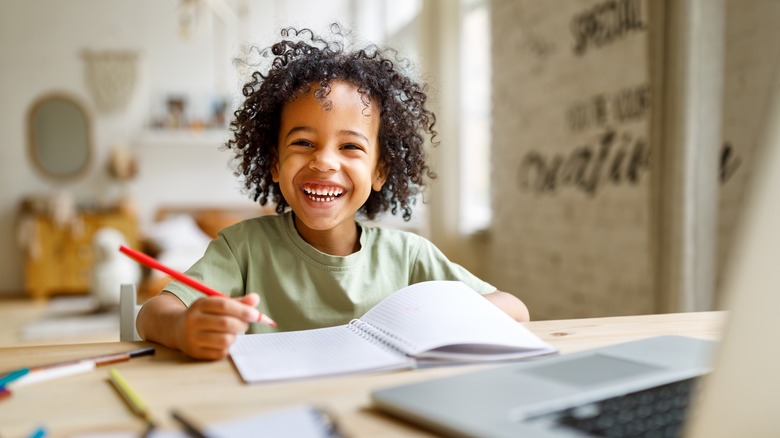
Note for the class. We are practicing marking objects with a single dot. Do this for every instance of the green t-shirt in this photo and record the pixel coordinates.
(303, 288)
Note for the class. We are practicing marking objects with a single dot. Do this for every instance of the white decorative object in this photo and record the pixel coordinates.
(111, 77)
(111, 268)
(192, 11)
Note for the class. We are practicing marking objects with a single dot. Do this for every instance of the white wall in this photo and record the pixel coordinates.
(40, 46)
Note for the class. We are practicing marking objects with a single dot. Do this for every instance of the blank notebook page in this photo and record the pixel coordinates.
(318, 352)
(432, 314)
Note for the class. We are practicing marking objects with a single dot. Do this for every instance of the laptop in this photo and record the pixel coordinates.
(684, 386)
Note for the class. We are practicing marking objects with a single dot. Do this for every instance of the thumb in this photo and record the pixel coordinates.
(251, 299)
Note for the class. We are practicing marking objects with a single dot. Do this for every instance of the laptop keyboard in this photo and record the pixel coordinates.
(654, 412)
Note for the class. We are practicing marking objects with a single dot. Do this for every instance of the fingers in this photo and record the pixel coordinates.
(242, 308)
(209, 345)
(211, 325)
(207, 337)
(251, 299)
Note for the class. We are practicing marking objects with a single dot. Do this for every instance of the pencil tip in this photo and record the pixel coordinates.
(266, 319)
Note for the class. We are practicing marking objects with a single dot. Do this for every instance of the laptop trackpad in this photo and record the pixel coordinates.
(591, 370)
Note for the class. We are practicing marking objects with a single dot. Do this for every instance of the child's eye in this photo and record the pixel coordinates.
(352, 146)
(302, 143)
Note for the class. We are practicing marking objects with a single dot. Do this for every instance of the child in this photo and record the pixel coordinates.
(325, 134)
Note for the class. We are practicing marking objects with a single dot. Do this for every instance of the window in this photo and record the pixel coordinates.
(475, 135)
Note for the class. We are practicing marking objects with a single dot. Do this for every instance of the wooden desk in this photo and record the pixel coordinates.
(213, 391)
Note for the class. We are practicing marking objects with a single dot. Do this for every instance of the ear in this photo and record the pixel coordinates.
(275, 171)
(380, 177)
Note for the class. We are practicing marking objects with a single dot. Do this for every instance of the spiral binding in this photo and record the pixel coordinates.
(377, 335)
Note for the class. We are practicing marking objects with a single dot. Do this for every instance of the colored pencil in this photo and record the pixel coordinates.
(9, 377)
(133, 400)
(189, 281)
(51, 373)
(190, 428)
(41, 373)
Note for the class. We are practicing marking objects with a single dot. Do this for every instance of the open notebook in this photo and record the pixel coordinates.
(429, 322)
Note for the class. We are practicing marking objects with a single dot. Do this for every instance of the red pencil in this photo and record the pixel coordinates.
(189, 281)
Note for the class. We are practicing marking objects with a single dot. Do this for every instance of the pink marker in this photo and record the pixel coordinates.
(189, 281)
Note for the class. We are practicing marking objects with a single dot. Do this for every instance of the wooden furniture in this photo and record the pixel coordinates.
(62, 264)
(213, 391)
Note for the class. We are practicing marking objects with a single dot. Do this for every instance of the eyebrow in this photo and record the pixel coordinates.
(309, 129)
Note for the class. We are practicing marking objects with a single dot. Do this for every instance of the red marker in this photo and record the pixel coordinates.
(154, 264)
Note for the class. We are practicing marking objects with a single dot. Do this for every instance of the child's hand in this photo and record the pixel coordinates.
(210, 325)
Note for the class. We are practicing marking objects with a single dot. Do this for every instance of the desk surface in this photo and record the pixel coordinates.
(213, 391)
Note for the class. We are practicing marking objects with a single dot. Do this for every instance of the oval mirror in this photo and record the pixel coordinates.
(60, 140)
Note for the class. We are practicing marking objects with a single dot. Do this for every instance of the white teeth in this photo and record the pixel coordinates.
(323, 194)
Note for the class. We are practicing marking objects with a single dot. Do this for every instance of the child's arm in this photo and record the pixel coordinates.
(510, 304)
(205, 330)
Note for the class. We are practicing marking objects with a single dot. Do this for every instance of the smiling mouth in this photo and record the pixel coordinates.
(323, 193)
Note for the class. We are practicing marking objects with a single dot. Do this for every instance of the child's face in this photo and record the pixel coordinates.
(328, 159)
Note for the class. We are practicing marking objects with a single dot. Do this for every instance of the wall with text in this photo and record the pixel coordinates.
(573, 197)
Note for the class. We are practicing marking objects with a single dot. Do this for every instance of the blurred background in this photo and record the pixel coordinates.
(594, 153)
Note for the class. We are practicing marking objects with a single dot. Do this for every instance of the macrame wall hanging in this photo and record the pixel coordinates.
(111, 77)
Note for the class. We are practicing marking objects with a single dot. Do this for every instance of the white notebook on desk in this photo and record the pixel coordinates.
(429, 322)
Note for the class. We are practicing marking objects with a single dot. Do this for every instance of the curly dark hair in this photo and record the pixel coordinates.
(299, 61)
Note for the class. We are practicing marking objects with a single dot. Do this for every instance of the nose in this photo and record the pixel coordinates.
(324, 160)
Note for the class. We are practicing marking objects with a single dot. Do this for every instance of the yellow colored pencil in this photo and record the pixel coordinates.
(131, 397)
